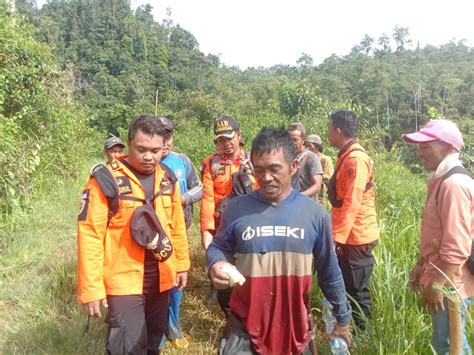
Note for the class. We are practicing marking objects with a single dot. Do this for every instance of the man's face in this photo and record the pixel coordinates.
(145, 151)
(273, 174)
(432, 153)
(297, 139)
(311, 147)
(333, 135)
(168, 143)
(228, 146)
(113, 152)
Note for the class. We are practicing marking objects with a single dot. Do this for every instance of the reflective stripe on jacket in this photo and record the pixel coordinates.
(355, 222)
(109, 261)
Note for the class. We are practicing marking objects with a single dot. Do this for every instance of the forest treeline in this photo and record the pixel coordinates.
(120, 57)
(76, 70)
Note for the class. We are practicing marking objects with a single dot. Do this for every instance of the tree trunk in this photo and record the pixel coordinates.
(12, 10)
(444, 98)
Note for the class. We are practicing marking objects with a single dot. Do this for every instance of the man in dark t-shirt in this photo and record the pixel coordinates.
(272, 236)
(309, 172)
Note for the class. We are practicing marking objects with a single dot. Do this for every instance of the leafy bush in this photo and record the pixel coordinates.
(44, 137)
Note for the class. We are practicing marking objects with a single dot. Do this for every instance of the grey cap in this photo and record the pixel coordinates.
(166, 122)
(112, 142)
(315, 139)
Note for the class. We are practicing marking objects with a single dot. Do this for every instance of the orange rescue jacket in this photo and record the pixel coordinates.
(216, 171)
(355, 222)
(109, 261)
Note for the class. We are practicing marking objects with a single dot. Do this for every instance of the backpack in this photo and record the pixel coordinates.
(215, 165)
(332, 182)
(241, 182)
(452, 171)
(145, 227)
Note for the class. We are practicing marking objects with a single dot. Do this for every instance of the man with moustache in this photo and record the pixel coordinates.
(446, 241)
(272, 236)
(222, 172)
(307, 178)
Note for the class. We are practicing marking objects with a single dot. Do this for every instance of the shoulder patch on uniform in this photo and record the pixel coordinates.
(124, 185)
(84, 205)
(114, 165)
(166, 187)
(221, 169)
(350, 169)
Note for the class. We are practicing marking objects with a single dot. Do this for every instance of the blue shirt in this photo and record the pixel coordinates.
(189, 184)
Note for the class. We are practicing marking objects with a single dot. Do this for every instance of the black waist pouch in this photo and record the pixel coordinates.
(147, 231)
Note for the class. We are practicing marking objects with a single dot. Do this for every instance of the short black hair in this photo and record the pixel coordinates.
(271, 139)
(346, 121)
(150, 125)
(319, 147)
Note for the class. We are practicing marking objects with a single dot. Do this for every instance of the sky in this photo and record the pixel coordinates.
(253, 33)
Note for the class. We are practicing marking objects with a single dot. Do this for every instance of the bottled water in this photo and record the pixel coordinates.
(328, 318)
(338, 345)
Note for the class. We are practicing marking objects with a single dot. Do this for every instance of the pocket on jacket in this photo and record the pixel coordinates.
(123, 215)
(168, 206)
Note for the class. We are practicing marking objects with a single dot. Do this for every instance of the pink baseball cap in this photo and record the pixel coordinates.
(443, 130)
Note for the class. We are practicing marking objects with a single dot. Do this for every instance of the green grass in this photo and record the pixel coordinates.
(39, 313)
(38, 309)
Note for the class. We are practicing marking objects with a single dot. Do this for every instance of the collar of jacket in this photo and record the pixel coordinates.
(159, 173)
(223, 158)
(347, 146)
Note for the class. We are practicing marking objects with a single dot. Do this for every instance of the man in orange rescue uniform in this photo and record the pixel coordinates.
(217, 173)
(113, 269)
(354, 223)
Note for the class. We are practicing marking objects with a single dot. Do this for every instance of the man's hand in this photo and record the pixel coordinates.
(218, 278)
(414, 278)
(206, 239)
(93, 308)
(183, 201)
(343, 331)
(432, 299)
(181, 280)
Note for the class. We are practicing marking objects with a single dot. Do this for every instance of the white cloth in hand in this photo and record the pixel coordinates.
(235, 277)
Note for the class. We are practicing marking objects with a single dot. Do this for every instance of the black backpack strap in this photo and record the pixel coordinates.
(108, 185)
(170, 179)
(455, 170)
(164, 189)
(346, 155)
(131, 198)
(332, 182)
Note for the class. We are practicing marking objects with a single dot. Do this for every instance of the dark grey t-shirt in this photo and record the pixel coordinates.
(309, 165)
(150, 274)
